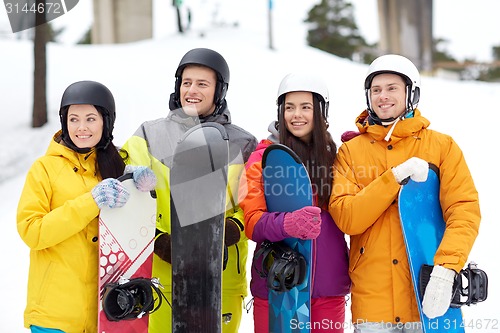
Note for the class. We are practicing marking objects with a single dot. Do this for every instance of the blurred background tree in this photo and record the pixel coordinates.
(332, 28)
(492, 72)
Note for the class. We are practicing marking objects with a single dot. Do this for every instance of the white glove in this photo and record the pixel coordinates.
(415, 168)
(438, 293)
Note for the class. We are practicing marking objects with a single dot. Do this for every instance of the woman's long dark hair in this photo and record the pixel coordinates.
(318, 155)
(110, 161)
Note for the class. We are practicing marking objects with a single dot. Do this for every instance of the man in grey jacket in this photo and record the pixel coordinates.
(202, 80)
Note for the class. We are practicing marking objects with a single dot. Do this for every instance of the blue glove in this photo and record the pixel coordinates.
(110, 193)
(144, 177)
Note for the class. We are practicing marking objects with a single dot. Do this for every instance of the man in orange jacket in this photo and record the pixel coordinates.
(395, 143)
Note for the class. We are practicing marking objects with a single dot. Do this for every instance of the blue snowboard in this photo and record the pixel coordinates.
(423, 228)
(287, 187)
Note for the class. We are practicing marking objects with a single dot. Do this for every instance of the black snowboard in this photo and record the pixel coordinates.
(198, 181)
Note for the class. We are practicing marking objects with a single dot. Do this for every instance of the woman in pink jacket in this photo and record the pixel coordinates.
(302, 126)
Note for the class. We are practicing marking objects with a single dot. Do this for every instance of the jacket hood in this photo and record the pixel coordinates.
(257, 154)
(275, 135)
(57, 148)
(403, 128)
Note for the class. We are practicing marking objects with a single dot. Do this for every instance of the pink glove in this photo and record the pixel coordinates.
(304, 223)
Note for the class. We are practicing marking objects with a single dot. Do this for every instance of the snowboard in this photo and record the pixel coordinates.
(423, 228)
(126, 239)
(287, 187)
(198, 182)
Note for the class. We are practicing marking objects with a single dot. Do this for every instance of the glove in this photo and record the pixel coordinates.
(144, 177)
(438, 293)
(110, 193)
(415, 168)
(163, 247)
(232, 232)
(304, 223)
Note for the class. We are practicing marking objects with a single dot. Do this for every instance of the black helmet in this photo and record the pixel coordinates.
(93, 93)
(208, 58)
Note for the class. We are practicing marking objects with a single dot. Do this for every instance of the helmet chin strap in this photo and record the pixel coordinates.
(388, 121)
(388, 136)
(393, 122)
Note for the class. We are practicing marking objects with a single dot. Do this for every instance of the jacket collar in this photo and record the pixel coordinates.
(402, 129)
(86, 161)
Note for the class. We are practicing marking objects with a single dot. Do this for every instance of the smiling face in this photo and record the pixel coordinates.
(388, 95)
(298, 114)
(197, 90)
(85, 125)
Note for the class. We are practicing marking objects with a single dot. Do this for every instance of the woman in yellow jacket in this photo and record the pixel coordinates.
(57, 215)
(395, 143)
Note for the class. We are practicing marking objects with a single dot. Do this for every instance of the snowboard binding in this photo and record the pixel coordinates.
(226, 317)
(282, 267)
(470, 286)
(131, 299)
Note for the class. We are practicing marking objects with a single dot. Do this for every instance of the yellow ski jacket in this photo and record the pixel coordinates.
(58, 219)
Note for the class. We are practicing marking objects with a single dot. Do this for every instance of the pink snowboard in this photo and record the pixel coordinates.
(126, 241)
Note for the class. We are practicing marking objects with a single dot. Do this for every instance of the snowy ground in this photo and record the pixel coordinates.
(141, 78)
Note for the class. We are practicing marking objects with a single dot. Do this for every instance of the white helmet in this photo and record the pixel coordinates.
(304, 82)
(395, 64)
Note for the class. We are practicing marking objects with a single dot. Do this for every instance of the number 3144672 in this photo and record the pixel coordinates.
(47, 7)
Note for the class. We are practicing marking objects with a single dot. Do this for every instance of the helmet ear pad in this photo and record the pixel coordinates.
(416, 96)
(220, 92)
(175, 97)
